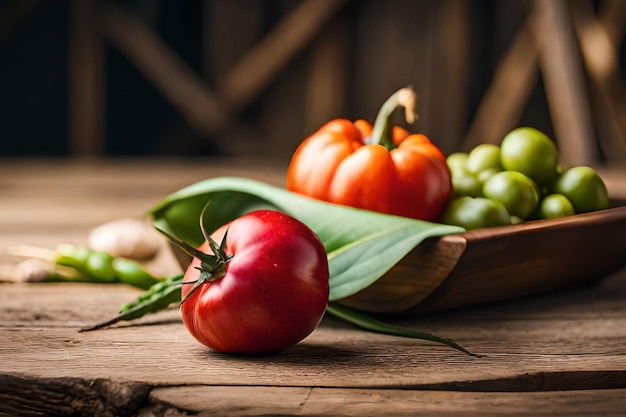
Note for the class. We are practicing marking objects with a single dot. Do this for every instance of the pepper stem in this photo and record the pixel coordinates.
(382, 133)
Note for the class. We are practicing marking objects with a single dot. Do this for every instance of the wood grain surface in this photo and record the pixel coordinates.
(559, 354)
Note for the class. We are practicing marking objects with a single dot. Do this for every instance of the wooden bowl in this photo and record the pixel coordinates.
(502, 263)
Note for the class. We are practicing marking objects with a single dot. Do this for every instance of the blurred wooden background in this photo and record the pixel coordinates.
(255, 77)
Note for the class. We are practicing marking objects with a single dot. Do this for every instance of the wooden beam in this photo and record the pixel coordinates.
(13, 14)
(503, 103)
(447, 122)
(183, 87)
(261, 65)
(326, 89)
(612, 16)
(225, 44)
(564, 83)
(208, 111)
(600, 58)
(86, 90)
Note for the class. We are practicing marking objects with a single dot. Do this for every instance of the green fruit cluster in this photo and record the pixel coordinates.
(519, 180)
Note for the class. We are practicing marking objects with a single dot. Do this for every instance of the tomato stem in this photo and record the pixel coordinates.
(382, 133)
(211, 267)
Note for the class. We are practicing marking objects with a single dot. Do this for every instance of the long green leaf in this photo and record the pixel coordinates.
(367, 322)
(361, 245)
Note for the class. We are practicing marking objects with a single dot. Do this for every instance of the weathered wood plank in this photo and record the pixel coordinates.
(63, 183)
(105, 397)
(247, 401)
(574, 340)
(561, 354)
(26, 397)
(47, 202)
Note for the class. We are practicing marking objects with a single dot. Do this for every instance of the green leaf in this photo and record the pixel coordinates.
(367, 322)
(361, 245)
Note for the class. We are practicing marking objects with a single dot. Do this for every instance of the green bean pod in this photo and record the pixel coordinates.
(73, 257)
(132, 273)
(161, 289)
(158, 297)
(98, 266)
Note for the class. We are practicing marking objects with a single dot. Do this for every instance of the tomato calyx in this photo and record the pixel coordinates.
(211, 267)
(382, 132)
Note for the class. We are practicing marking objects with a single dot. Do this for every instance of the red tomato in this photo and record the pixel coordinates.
(396, 173)
(274, 291)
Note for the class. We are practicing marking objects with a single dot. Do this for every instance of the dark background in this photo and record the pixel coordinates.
(139, 120)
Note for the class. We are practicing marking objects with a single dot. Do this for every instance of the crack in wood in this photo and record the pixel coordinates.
(29, 396)
(534, 382)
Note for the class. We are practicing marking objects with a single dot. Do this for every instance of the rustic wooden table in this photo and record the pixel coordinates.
(561, 354)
